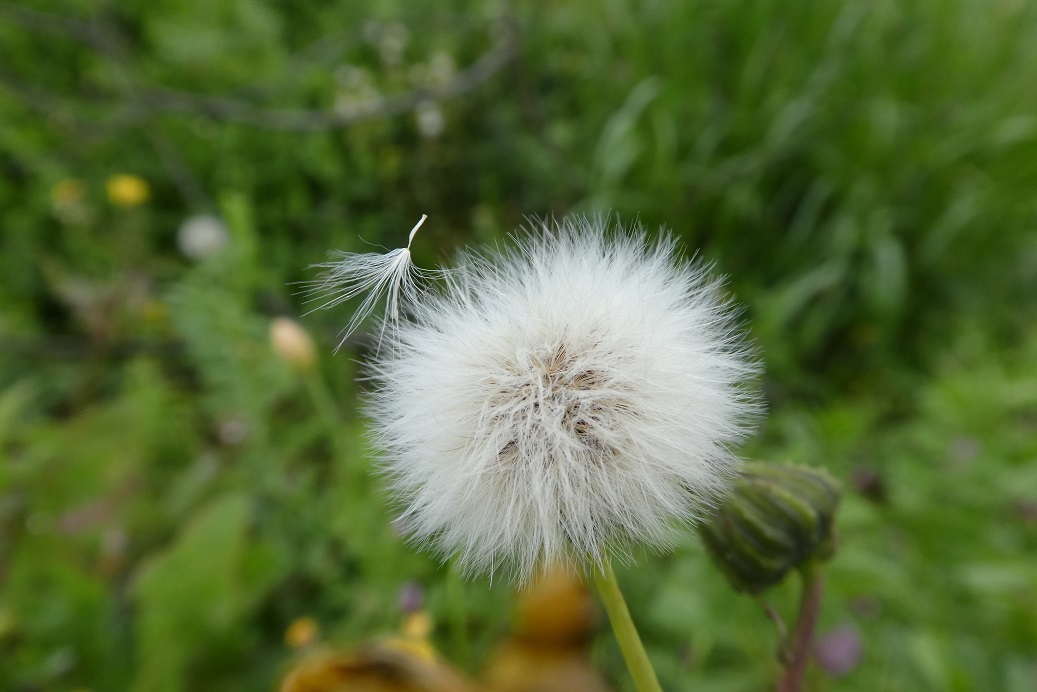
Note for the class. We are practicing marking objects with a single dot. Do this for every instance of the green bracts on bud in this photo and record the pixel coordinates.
(774, 519)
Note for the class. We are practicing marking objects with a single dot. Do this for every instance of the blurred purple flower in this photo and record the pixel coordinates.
(870, 483)
(839, 650)
(411, 597)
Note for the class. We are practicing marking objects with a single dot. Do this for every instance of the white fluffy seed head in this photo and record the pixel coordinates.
(563, 400)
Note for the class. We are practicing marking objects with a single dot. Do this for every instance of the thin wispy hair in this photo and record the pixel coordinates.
(391, 276)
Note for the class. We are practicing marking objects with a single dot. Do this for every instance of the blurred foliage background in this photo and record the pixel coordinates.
(175, 495)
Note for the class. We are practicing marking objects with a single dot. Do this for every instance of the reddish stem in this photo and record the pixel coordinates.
(803, 635)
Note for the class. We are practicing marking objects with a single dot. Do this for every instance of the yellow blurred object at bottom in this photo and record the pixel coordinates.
(378, 668)
(555, 620)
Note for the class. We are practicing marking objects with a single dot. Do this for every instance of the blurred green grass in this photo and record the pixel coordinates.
(172, 495)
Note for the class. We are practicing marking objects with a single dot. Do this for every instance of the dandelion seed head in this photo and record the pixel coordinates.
(565, 399)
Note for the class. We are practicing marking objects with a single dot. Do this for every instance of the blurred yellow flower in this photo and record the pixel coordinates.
(414, 637)
(126, 190)
(375, 668)
(557, 611)
(548, 650)
(302, 633)
(420, 649)
(417, 625)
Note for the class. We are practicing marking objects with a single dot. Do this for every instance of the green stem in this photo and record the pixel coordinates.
(623, 627)
(803, 632)
(458, 617)
(325, 406)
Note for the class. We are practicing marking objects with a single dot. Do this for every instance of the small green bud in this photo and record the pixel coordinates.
(774, 519)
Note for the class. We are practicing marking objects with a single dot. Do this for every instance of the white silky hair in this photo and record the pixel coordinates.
(376, 276)
(565, 399)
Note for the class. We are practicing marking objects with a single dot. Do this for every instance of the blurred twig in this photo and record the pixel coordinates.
(72, 347)
(89, 33)
(300, 120)
(147, 101)
(62, 347)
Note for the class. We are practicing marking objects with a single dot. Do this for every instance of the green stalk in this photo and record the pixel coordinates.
(623, 627)
(458, 617)
(324, 403)
(803, 633)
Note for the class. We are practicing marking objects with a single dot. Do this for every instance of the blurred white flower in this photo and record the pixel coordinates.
(232, 431)
(441, 68)
(390, 39)
(371, 30)
(358, 95)
(430, 119)
(353, 77)
(563, 400)
(435, 73)
(202, 236)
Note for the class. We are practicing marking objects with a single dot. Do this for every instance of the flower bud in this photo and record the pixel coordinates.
(775, 518)
(293, 344)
